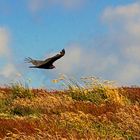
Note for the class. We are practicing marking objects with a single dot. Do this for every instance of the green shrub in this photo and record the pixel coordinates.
(4, 105)
(18, 90)
(24, 111)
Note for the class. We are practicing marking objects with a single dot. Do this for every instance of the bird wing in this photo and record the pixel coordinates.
(51, 60)
(47, 62)
(33, 61)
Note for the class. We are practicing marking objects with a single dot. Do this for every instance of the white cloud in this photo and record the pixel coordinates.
(124, 25)
(129, 73)
(71, 60)
(125, 12)
(8, 69)
(132, 52)
(4, 41)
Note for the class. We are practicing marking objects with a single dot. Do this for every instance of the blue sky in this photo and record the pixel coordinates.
(101, 38)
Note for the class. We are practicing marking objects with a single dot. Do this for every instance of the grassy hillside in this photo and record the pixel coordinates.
(91, 109)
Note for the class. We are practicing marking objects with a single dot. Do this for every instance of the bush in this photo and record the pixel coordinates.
(24, 111)
(20, 91)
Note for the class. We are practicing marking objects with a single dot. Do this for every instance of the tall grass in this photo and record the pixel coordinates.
(94, 90)
(18, 90)
(88, 108)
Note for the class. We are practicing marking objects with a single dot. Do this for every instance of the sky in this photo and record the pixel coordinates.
(101, 39)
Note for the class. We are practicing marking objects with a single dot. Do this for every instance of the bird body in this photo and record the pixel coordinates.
(46, 64)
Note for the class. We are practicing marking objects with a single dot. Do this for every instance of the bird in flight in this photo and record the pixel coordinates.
(45, 64)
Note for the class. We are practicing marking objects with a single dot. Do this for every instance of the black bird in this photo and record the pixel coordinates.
(45, 64)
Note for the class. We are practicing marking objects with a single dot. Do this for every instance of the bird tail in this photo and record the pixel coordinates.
(28, 60)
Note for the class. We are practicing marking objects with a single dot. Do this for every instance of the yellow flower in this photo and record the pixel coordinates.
(85, 91)
(55, 81)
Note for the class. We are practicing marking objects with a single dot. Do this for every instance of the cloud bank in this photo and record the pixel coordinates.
(124, 24)
(7, 67)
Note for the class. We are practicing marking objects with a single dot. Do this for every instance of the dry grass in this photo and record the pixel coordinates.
(89, 109)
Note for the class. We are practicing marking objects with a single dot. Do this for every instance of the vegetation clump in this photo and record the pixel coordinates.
(18, 90)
